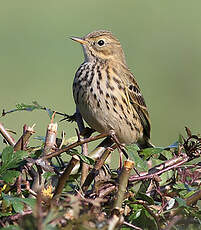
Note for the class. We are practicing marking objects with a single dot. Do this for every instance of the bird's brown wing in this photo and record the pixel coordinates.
(137, 101)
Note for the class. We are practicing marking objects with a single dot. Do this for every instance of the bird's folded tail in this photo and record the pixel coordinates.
(145, 143)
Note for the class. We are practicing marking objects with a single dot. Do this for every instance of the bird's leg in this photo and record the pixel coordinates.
(84, 131)
(119, 145)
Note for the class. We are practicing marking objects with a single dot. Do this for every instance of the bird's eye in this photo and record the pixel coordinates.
(101, 42)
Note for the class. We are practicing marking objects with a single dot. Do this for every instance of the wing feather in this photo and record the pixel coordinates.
(138, 102)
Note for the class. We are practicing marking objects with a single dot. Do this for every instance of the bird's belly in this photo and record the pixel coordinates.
(103, 117)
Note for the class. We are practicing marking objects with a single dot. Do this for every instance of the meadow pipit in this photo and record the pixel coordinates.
(106, 92)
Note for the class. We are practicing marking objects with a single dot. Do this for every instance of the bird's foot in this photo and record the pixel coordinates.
(120, 147)
(69, 118)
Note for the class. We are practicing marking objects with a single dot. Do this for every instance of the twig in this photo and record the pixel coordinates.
(24, 138)
(4, 113)
(193, 198)
(131, 226)
(29, 189)
(99, 163)
(36, 179)
(6, 135)
(90, 139)
(16, 216)
(104, 192)
(162, 168)
(65, 175)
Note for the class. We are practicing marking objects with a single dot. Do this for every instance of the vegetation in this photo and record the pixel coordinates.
(58, 185)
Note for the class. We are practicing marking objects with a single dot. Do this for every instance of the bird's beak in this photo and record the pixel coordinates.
(80, 40)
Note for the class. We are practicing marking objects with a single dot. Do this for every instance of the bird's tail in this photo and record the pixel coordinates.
(145, 143)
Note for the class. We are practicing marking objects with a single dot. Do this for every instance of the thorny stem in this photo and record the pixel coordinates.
(6, 135)
(158, 170)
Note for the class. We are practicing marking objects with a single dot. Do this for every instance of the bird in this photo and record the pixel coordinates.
(107, 94)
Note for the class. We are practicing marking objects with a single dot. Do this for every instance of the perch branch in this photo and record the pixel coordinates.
(75, 144)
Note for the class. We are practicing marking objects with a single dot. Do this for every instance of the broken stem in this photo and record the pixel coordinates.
(24, 139)
(123, 182)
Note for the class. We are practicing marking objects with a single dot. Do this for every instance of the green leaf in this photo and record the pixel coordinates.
(18, 206)
(11, 227)
(11, 159)
(136, 187)
(17, 202)
(133, 155)
(181, 202)
(32, 107)
(132, 147)
(194, 161)
(82, 157)
(179, 186)
(189, 194)
(31, 202)
(148, 152)
(165, 177)
(25, 107)
(141, 218)
(167, 154)
(10, 175)
(143, 196)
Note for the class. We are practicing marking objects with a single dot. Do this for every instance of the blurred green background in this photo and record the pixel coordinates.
(161, 40)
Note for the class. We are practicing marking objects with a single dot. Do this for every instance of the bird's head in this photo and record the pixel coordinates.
(101, 45)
